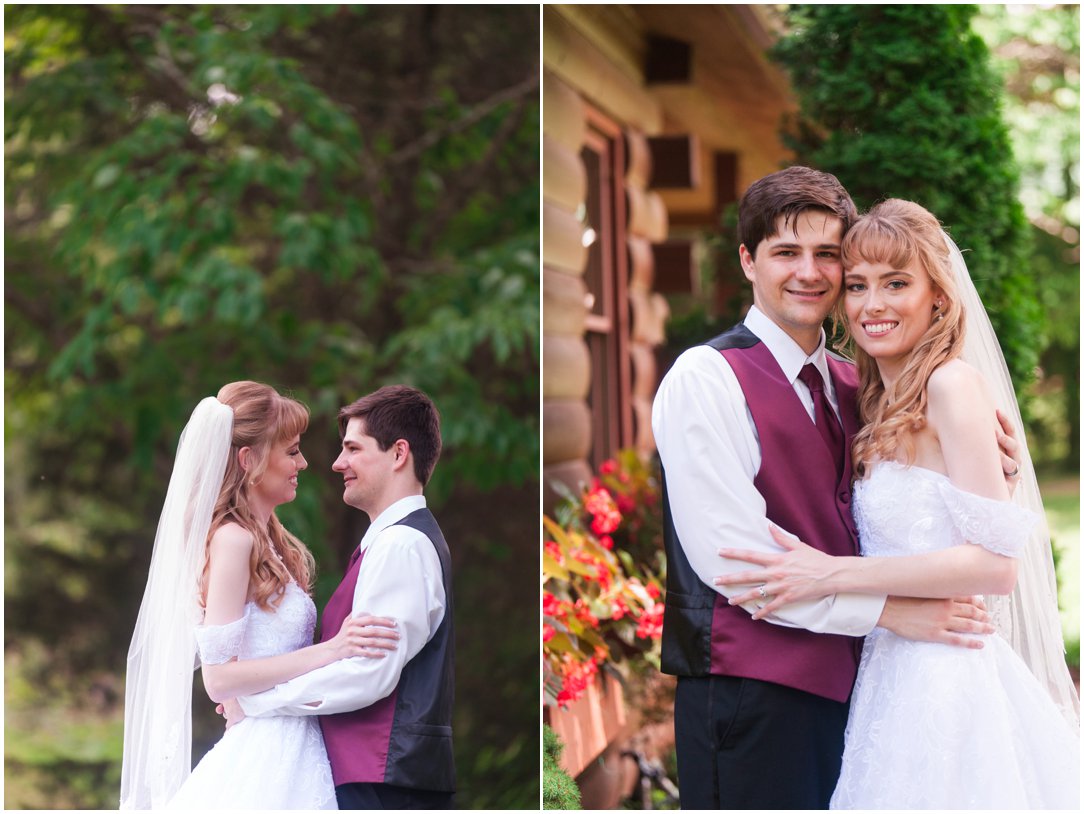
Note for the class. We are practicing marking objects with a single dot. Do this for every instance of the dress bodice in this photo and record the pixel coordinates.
(902, 510)
(261, 633)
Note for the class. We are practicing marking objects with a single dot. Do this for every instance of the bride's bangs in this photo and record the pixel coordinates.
(292, 419)
(875, 241)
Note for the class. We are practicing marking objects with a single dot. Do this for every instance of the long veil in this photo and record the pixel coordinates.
(162, 655)
(1028, 617)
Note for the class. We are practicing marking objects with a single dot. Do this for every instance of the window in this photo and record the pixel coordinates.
(606, 277)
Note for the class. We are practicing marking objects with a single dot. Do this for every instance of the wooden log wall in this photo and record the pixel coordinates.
(566, 363)
(647, 224)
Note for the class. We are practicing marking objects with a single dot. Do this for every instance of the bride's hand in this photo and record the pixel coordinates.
(801, 572)
(365, 635)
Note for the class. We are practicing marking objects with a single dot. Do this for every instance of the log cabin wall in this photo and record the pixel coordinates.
(566, 366)
(601, 317)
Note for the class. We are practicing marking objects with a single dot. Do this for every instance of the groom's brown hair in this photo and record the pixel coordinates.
(398, 411)
(787, 194)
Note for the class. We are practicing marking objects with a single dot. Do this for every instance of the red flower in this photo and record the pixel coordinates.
(548, 633)
(608, 467)
(554, 551)
(602, 573)
(607, 542)
(606, 521)
(625, 504)
(653, 590)
(583, 613)
(598, 499)
(620, 608)
(650, 623)
(576, 678)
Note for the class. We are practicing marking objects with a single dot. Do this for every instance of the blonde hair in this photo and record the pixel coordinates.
(898, 233)
(262, 419)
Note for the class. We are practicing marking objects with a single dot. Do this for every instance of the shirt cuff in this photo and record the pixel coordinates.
(261, 704)
(857, 614)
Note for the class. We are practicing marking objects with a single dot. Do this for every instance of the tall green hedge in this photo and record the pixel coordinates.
(901, 101)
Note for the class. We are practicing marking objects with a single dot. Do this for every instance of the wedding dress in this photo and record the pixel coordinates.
(938, 726)
(262, 763)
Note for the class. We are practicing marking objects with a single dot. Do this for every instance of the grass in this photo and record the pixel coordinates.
(1061, 499)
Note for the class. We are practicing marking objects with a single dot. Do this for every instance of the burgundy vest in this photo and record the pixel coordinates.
(404, 739)
(704, 635)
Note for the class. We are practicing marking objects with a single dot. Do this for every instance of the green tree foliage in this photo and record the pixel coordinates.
(901, 101)
(1037, 50)
(325, 198)
(559, 790)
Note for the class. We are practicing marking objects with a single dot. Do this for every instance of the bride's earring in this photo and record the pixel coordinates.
(938, 316)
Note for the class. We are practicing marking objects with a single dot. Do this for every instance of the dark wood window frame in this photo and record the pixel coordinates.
(607, 274)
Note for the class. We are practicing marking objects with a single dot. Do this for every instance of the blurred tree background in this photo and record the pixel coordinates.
(1037, 51)
(901, 101)
(974, 113)
(324, 198)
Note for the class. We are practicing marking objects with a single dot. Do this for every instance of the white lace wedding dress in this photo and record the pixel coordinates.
(936, 726)
(262, 763)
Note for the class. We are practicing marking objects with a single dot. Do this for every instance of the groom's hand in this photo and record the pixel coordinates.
(230, 709)
(1010, 451)
(948, 621)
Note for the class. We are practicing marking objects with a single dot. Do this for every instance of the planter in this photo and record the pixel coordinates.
(589, 724)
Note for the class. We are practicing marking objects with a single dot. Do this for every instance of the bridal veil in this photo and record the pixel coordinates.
(162, 655)
(1028, 617)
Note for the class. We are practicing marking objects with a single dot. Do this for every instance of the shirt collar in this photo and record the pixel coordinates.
(392, 515)
(787, 352)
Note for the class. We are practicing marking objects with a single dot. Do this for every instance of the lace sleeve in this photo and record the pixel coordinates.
(995, 525)
(220, 643)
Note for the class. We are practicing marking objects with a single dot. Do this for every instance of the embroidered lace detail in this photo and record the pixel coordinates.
(919, 510)
(219, 643)
(283, 629)
(994, 524)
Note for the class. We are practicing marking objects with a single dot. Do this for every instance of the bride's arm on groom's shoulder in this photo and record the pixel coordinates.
(710, 458)
(227, 591)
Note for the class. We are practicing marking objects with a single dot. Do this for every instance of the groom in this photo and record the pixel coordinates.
(386, 722)
(755, 426)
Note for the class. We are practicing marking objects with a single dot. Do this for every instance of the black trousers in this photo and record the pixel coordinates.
(743, 743)
(362, 796)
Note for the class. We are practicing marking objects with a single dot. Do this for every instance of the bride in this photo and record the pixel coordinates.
(228, 588)
(931, 725)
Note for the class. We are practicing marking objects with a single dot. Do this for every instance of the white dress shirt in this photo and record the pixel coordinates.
(400, 578)
(710, 452)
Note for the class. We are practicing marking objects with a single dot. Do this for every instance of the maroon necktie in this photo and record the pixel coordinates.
(823, 416)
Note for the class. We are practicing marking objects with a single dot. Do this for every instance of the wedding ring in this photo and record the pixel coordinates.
(762, 592)
(1014, 473)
